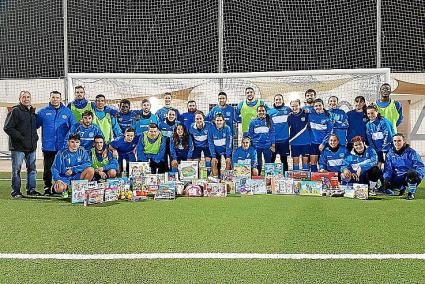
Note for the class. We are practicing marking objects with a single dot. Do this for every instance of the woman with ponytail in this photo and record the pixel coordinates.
(262, 134)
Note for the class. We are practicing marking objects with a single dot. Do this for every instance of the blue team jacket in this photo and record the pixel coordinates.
(261, 136)
(125, 120)
(220, 141)
(141, 125)
(55, 124)
(64, 160)
(365, 161)
(397, 164)
(178, 152)
(279, 116)
(379, 134)
(200, 136)
(299, 131)
(166, 128)
(112, 162)
(228, 113)
(321, 127)
(86, 134)
(339, 124)
(356, 124)
(125, 149)
(241, 155)
(332, 161)
(187, 119)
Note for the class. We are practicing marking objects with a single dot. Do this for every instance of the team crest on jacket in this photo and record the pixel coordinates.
(341, 155)
(64, 116)
(79, 159)
(91, 134)
(302, 118)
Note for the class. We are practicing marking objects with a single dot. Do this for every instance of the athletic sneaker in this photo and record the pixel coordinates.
(65, 194)
(47, 191)
(401, 192)
(17, 196)
(410, 196)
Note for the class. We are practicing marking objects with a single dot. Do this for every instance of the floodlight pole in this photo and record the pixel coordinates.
(378, 33)
(220, 40)
(65, 47)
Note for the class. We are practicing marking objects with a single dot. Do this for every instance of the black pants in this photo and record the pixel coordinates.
(157, 168)
(48, 158)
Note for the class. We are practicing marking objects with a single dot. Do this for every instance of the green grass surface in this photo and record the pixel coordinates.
(252, 224)
(213, 271)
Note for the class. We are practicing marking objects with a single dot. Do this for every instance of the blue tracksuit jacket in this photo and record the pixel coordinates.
(141, 125)
(299, 130)
(86, 134)
(187, 119)
(125, 149)
(64, 160)
(321, 127)
(261, 136)
(332, 160)
(220, 141)
(55, 124)
(228, 113)
(241, 155)
(398, 163)
(279, 116)
(162, 113)
(365, 161)
(166, 128)
(178, 152)
(125, 120)
(356, 124)
(339, 124)
(379, 134)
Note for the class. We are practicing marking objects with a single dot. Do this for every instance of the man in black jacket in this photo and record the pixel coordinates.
(21, 127)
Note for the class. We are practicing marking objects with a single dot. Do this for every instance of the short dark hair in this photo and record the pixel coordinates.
(400, 134)
(129, 129)
(249, 88)
(153, 125)
(78, 87)
(222, 94)
(100, 96)
(98, 137)
(74, 136)
(333, 97)
(310, 91)
(55, 93)
(168, 94)
(191, 101)
(87, 113)
(125, 101)
(200, 112)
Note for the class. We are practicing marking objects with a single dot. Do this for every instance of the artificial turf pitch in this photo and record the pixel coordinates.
(248, 224)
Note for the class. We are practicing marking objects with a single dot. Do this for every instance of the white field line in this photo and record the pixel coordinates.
(209, 256)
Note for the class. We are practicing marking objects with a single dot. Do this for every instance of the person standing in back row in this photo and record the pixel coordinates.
(390, 109)
(21, 126)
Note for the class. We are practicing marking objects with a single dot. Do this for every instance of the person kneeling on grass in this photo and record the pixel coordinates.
(151, 147)
(403, 167)
(104, 163)
(71, 163)
(244, 153)
(360, 166)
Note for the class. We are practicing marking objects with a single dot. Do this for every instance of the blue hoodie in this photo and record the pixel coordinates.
(340, 124)
(162, 113)
(125, 120)
(332, 160)
(86, 134)
(220, 141)
(261, 135)
(55, 124)
(398, 163)
(142, 157)
(64, 160)
(179, 152)
(299, 131)
(365, 161)
(380, 134)
(241, 155)
(141, 124)
(356, 124)
(228, 113)
(321, 127)
(279, 116)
